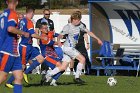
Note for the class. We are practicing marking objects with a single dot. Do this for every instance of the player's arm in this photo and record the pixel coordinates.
(37, 32)
(94, 36)
(58, 39)
(38, 37)
(86, 40)
(37, 26)
(62, 34)
(14, 30)
(12, 23)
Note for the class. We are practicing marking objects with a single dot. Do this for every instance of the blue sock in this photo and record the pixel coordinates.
(32, 66)
(11, 79)
(52, 66)
(58, 75)
(17, 88)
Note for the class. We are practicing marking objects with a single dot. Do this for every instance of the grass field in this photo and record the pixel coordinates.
(93, 84)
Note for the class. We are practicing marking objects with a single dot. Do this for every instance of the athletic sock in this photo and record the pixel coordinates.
(53, 80)
(79, 69)
(55, 77)
(17, 88)
(10, 80)
(32, 66)
(54, 71)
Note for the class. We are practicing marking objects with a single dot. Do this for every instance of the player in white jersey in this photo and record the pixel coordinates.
(72, 30)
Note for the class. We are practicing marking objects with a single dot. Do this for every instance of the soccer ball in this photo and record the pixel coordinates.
(111, 81)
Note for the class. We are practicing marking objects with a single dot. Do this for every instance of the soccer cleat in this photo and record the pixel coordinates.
(9, 85)
(53, 84)
(25, 78)
(78, 80)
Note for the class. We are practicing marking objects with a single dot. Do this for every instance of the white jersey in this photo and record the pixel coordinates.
(73, 33)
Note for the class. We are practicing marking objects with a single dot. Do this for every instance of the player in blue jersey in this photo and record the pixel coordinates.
(9, 57)
(8, 84)
(26, 50)
(50, 23)
(49, 49)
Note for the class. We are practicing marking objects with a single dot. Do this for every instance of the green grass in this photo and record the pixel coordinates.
(93, 84)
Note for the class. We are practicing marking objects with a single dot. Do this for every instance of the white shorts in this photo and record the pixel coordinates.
(66, 58)
(71, 52)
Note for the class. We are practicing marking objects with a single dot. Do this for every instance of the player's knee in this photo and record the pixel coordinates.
(40, 59)
(58, 64)
(18, 79)
(63, 68)
(82, 60)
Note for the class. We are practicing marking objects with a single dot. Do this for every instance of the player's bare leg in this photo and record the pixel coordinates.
(80, 65)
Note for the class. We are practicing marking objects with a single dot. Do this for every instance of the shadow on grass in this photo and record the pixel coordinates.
(58, 83)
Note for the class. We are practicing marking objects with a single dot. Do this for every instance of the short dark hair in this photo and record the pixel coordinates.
(30, 9)
(46, 10)
(43, 23)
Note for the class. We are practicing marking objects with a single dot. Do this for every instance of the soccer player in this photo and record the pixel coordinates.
(26, 50)
(11, 79)
(46, 19)
(73, 30)
(80, 46)
(48, 49)
(10, 60)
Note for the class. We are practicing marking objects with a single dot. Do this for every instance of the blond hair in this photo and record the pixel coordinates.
(76, 15)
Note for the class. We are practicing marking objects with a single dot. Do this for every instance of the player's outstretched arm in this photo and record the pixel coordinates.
(14, 30)
(94, 36)
(86, 41)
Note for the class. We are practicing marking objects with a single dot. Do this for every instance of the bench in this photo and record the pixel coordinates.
(128, 50)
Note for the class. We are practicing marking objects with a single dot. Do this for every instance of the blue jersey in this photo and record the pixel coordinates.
(26, 25)
(47, 46)
(8, 41)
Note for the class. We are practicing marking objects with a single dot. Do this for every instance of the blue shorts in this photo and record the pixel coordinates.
(51, 62)
(9, 63)
(43, 50)
(28, 52)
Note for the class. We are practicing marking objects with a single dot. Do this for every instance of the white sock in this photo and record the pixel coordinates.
(54, 71)
(53, 80)
(79, 70)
